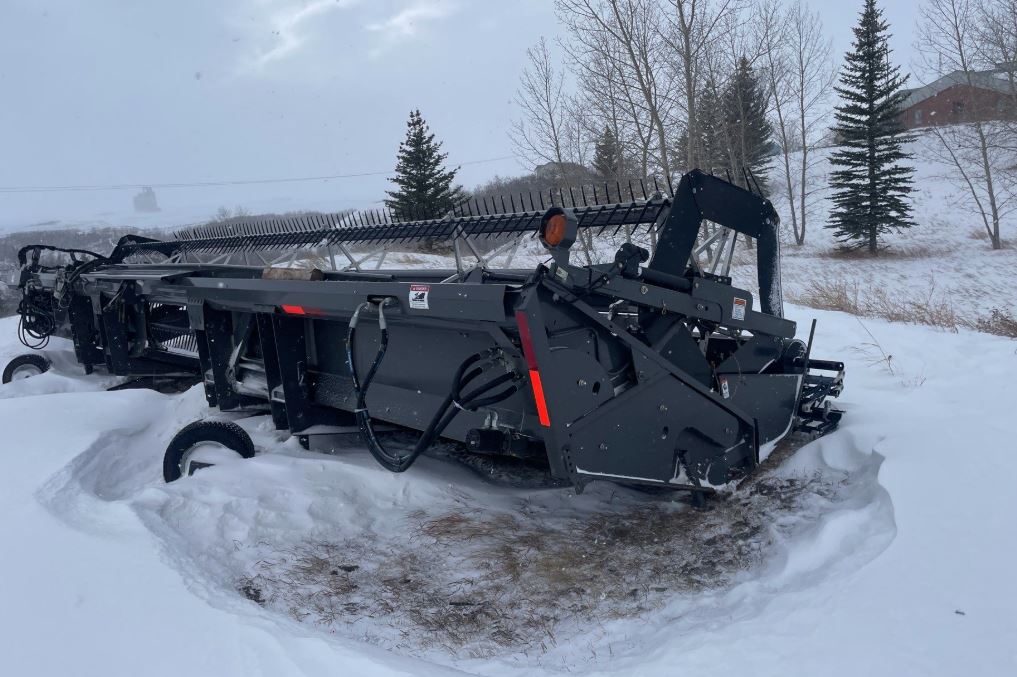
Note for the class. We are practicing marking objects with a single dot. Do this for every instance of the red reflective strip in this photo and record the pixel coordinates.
(527, 340)
(531, 361)
(294, 310)
(538, 396)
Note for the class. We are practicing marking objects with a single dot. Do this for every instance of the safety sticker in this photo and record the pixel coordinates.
(738, 311)
(418, 296)
(725, 390)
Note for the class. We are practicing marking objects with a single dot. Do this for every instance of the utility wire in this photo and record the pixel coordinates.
(207, 184)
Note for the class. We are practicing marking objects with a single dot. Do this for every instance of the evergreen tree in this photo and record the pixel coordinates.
(607, 156)
(871, 180)
(749, 134)
(712, 150)
(425, 187)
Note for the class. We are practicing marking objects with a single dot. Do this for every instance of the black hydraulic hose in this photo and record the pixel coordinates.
(445, 413)
(36, 323)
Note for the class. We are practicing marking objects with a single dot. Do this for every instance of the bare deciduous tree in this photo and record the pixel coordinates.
(549, 131)
(625, 37)
(995, 29)
(801, 75)
(693, 27)
(947, 36)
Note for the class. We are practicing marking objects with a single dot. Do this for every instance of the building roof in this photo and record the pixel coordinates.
(995, 80)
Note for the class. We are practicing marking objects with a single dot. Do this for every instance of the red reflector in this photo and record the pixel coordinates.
(527, 340)
(538, 396)
(531, 361)
(294, 310)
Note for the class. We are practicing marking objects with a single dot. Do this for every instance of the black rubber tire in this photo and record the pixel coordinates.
(33, 359)
(224, 432)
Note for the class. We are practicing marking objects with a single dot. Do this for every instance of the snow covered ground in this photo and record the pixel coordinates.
(885, 548)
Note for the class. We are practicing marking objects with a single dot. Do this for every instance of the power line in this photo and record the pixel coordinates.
(209, 184)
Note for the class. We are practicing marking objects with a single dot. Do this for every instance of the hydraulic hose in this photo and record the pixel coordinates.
(37, 321)
(455, 402)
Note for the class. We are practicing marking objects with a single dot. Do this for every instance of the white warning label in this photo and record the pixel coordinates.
(418, 296)
(725, 390)
(738, 310)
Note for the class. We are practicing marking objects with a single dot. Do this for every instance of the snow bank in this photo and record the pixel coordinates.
(881, 549)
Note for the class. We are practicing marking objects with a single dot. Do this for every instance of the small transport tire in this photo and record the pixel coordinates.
(202, 444)
(25, 366)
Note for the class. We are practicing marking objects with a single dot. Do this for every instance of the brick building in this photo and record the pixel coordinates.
(951, 100)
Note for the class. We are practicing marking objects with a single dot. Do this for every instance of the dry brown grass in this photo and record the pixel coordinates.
(478, 583)
(999, 322)
(918, 308)
(889, 253)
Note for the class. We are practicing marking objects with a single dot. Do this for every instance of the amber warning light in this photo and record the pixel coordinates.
(558, 229)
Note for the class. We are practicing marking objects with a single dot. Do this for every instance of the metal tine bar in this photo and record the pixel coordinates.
(296, 236)
(625, 218)
(270, 234)
(287, 234)
(596, 198)
(216, 244)
(425, 229)
(414, 230)
(582, 189)
(602, 210)
(225, 239)
(410, 232)
(276, 233)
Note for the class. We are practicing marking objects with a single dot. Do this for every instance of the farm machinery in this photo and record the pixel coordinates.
(646, 369)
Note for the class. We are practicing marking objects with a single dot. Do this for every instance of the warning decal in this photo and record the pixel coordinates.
(418, 296)
(725, 390)
(738, 311)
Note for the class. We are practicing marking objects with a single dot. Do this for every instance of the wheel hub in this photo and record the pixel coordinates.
(205, 455)
(25, 371)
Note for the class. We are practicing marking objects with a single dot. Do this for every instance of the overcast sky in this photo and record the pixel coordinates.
(131, 91)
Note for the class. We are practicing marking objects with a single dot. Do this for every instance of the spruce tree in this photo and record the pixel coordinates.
(607, 156)
(425, 187)
(711, 153)
(749, 134)
(872, 180)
